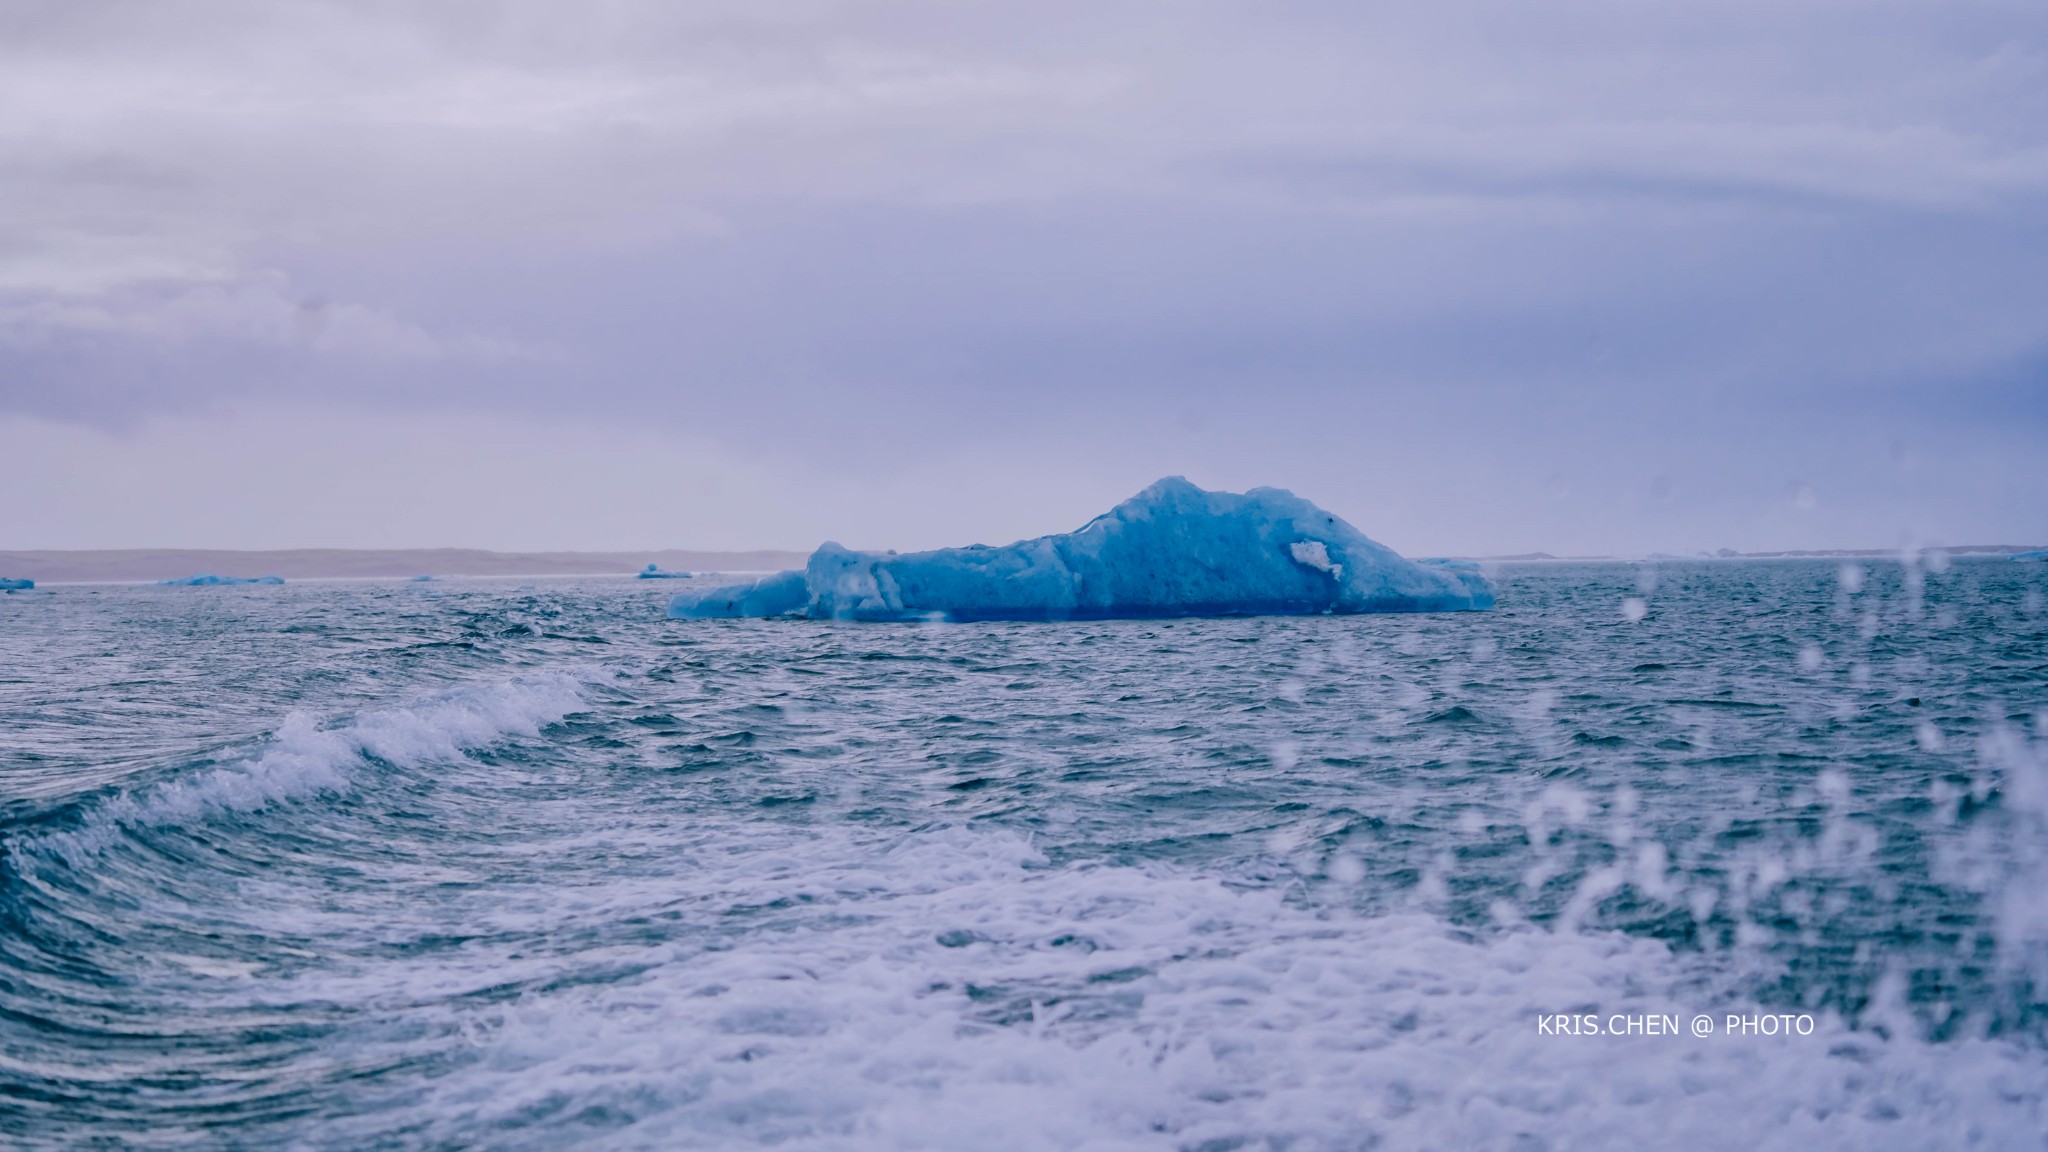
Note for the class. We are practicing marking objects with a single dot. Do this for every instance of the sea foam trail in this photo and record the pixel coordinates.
(972, 995)
(303, 758)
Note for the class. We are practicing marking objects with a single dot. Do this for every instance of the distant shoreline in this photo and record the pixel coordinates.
(142, 565)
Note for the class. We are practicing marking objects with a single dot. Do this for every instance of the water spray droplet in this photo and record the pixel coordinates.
(1928, 736)
(1634, 608)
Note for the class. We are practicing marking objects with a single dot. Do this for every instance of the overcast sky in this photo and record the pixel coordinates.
(1579, 276)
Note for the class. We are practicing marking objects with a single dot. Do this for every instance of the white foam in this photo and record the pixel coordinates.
(958, 992)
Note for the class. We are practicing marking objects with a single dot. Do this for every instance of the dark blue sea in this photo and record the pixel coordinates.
(492, 864)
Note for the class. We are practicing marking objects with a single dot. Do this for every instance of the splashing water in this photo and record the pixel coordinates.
(344, 866)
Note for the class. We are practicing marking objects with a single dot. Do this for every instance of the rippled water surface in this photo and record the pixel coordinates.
(365, 865)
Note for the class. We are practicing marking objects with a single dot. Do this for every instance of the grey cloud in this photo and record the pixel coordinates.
(1609, 234)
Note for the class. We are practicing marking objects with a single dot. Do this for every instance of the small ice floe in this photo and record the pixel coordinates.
(208, 580)
(656, 572)
(11, 585)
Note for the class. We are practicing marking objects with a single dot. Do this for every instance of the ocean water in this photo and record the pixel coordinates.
(484, 864)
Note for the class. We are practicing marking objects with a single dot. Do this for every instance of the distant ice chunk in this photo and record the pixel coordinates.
(656, 572)
(423, 579)
(208, 580)
(782, 594)
(2036, 556)
(1171, 550)
(10, 585)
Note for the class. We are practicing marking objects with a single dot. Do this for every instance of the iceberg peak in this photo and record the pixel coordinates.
(1174, 549)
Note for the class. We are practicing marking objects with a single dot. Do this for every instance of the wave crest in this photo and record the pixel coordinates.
(304, 758)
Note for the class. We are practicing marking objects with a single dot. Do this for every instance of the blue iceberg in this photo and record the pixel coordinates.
(8, 585)
(2035, 556)
(656, 572)
(1171, 550)
(208, 580)
(780, 594)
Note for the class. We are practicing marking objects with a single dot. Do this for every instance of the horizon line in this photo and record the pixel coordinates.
(145, 565)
